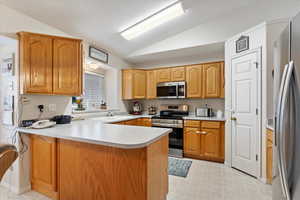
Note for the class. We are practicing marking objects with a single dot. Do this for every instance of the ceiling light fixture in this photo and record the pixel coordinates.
(166, 14)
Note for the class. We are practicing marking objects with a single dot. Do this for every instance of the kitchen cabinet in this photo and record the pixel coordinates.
(36, 63)
(192, 141)
(43, 165)
(178, 74)
(194, 81)
(50, 65)
(67, 67)
(204, 140)
(134, 84)
(163, 75)
(151, 84)
(269, 155)
(222, 80)
(137, 122)
(212, 80)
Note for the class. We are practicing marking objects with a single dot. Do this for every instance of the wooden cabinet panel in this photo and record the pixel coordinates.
(212, 80)
(147, 122)
(43, 165)
(133, 84)
(194, 81)
(50, 64)
(192, 123)
(139, 84)
(192, 144)
(151, 84)
(178, 74)
(67, 73)
(133, 122)
(222, 80)
(211, 143)
(269, 152)
(36, 63)
(210, 124)
(163, 75)
(127, 84)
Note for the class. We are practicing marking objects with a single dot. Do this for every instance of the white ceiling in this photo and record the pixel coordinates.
(100, 21)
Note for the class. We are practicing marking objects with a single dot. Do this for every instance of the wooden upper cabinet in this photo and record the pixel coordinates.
(50, 64)
(43, 165)
(36, 63)
(67, 67)
(139, 84)
(133, 84)
(151, 84)
(178, 74)
(222, 80)
(194, 81)
(212, 80)
(163, 75)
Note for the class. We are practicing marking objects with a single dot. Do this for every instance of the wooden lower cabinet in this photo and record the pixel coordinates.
(269, 152)
(192, 141)
(204, 140)
(137, 122)
(44, 165)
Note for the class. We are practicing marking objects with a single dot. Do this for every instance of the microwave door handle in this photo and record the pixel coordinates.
(281, 143)
(177, 90)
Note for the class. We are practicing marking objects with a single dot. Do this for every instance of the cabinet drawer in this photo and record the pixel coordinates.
(192, 123)
(210, 124)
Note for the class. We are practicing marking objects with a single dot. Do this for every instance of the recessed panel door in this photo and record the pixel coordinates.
(245, 130)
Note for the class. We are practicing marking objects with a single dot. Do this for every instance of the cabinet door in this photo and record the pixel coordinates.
(269, 156)
(127, 80)
(211, 143)
(43, 165)
(67, 67)
(139, 84)
(151, 84)
(212, 80)
(163, 75)
(147, 122)
(194, 81)
(192, 141)
(178, 74)
(222, 80)
(36, 63)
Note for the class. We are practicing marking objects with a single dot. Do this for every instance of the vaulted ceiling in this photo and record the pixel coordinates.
(100, 21)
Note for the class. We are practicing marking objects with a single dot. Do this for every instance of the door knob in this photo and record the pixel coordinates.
(233, 118)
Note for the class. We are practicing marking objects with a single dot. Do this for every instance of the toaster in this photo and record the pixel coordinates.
(204, 112)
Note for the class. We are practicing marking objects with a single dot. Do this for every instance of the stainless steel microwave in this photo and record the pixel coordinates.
(171, 90)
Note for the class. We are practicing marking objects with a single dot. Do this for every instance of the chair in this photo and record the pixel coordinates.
(8, 154)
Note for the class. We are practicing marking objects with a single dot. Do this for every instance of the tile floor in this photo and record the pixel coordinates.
(206, 180)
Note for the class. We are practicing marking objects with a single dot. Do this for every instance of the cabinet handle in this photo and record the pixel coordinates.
(201, 132)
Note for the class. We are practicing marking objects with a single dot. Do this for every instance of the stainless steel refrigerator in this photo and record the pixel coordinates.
(286, 166)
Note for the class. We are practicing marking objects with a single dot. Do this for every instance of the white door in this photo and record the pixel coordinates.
(245, 129)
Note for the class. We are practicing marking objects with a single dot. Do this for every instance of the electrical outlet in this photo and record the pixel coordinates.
(52, 107)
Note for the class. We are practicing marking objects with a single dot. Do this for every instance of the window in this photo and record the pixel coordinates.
(93, 93)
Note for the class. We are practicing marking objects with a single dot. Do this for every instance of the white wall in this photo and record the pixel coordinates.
(261, 36)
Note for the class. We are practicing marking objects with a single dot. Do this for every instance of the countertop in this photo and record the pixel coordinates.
(97, 131)
(270, 124)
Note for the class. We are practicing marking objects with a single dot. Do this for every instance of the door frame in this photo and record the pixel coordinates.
(258, 52)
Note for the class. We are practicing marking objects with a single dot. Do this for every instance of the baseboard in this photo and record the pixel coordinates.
(15, 189)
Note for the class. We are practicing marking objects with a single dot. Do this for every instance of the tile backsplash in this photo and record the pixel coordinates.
(215, 104)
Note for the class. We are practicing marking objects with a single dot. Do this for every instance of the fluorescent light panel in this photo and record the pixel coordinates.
(153, 21)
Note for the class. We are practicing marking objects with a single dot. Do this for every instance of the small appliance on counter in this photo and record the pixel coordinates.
(136, 108)
(204, 112)
(62, 119)
(152, 110)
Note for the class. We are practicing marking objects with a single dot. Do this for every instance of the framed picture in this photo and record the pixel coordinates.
(242, 44)
(98, 54)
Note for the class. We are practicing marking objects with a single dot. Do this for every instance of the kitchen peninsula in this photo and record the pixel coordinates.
(93, 160)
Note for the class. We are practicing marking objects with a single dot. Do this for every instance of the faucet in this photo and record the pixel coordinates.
(110, 114)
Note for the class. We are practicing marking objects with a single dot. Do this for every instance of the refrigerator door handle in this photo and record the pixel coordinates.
(281, 143)
(277, 125)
